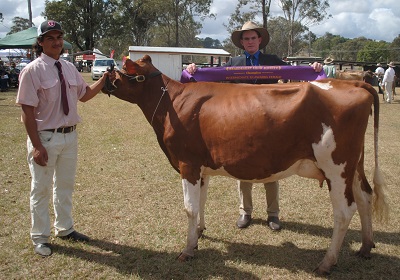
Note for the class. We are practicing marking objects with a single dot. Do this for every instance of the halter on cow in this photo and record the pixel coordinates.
(262, 133)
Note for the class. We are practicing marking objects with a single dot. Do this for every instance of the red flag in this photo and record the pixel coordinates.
(112, 54)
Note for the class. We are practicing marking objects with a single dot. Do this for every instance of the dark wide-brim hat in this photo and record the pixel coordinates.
(237, 35)
(49, 25)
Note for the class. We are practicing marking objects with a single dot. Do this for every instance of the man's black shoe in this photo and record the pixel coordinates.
(243, 221)
(274, 223)
(76, 236)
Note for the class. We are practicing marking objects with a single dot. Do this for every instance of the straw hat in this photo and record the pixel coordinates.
(328, 60)
(391, 64)
(237, 35)
(379, 64)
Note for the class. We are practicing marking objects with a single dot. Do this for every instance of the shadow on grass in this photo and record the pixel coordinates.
(390, 238)
(150, 264)
(208, 263)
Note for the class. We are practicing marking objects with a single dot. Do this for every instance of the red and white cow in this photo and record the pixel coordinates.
(262, 133)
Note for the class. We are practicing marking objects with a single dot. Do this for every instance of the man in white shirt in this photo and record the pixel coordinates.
(48, 93)
(387, 82)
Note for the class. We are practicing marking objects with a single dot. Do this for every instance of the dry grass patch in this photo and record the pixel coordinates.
(129, 200)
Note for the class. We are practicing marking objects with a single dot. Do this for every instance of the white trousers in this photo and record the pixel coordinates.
(57, 179)
(389, 92)
(271, 195)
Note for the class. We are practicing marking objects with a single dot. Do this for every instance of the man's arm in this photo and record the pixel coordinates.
(39, 152)
(93, 89)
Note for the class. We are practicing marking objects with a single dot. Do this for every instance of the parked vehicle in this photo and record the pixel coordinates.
(100, 66)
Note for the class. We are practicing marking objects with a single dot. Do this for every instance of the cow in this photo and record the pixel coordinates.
(262, 133)
(350, 75)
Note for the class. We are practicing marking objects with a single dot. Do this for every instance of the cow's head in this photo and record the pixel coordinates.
(131, 81)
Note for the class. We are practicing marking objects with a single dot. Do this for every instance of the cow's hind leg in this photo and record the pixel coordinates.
(363, 198)
(191, 194)
(342, 214)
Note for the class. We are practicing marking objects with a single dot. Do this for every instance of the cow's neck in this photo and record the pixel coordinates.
(156, 102)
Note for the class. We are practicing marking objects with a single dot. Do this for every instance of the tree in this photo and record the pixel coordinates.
(395, 49)
(210, 43)
(177, 20)
(303, 12)
(129, 23)
(19, 25)
(82, 21)
(277, 28)
(374, 51)
(325, 46)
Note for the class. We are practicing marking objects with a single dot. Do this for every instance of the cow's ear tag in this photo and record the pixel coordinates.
(130, 67)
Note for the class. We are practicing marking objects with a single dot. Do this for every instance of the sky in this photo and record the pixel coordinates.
(373, 19)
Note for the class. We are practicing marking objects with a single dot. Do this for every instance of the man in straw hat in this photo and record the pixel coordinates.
(251, 39)
(387, 82)
(329, 68)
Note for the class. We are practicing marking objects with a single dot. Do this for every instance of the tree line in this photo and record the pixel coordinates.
(117, 24)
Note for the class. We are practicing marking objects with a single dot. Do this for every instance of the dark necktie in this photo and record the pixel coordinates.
(253, 63)
(64, 99)
(252, 58)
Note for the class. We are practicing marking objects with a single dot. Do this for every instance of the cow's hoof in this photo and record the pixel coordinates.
(184, 257)
(364, 254)
(322, 271)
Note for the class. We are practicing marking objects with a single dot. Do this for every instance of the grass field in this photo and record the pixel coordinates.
(129, 200)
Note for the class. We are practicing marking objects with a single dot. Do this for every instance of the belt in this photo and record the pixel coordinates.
(67, 129)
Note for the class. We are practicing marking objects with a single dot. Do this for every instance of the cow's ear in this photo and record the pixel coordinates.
(146, 58)
(130, 67)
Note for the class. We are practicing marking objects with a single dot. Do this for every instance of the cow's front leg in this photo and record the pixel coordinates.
(203, 199)
(191, 198)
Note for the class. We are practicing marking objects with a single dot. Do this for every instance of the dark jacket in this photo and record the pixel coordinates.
(263, 59)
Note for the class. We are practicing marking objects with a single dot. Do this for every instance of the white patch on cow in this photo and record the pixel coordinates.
(323, 153)
(191, 196)
(191, 199)
(324, 86)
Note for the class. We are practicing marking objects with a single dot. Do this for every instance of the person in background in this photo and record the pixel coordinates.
(329, 68)
(251, 39)
(49, 91)
(387, 82)
(13, 76)
(379, 72)
(3, 77)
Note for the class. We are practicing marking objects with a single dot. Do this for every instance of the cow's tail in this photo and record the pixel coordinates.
(380, 205)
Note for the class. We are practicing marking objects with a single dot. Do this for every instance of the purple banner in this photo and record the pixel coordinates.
(218, 74)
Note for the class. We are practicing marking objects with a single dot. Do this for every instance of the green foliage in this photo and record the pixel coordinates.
(210, 43)
(374, 52)
(19, 25)
(395, 49)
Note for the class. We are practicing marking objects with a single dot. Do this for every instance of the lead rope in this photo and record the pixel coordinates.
(164, 89)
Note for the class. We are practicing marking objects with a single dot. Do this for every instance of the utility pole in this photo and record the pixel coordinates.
(30, 13)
